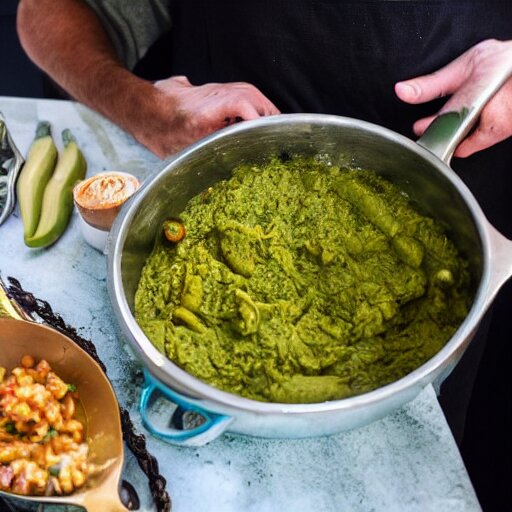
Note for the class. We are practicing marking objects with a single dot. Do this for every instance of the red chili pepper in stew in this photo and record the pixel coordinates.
(174, 230)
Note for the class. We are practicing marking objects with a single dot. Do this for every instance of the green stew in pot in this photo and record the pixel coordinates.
(300, 282)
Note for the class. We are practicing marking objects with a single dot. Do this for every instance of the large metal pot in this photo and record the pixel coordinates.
(421, 170)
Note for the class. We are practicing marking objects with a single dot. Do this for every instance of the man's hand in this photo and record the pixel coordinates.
(183, 113)
(67, 41)
(459, 78)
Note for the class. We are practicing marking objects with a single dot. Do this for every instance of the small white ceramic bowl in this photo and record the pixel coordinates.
(98, 211)
(95, 237)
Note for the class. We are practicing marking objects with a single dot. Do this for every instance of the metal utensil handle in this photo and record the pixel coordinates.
(447, 131)
(462, 110)
(213, 427)
(12, 174)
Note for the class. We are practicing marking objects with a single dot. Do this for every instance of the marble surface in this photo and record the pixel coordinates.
(407, 461)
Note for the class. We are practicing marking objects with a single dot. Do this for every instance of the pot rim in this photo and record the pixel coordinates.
(197, 391)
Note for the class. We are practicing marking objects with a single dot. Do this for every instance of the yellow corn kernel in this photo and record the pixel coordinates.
(65, 480)
(21, 411)
(21, 426)
(77, 477)
(69, 407)
(27, 361)
(50, 458)
(52, 412)
(24, 380)
(39, 455)
(42, 369)
(57, 387)
(62, 443)
(72, 426)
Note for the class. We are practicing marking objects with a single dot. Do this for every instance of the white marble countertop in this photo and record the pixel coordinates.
(407, 461)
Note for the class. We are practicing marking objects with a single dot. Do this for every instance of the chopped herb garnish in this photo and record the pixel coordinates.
(54, 470)
(71, 388)
(51, 433)
(10, 428)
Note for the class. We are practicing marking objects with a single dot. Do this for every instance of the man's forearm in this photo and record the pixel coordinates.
(67, 41)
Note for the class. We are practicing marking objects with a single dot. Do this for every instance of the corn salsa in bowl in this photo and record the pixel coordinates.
(43, 451)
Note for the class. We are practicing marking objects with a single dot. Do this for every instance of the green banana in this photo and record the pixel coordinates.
(34, 176)
(57, 204)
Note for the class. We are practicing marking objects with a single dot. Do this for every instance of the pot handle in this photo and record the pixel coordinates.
(462, 110)
(501, 257)
(214, 425)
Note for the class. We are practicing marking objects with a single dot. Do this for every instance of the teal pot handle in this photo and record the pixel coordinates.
(462, 110)
(213, 426)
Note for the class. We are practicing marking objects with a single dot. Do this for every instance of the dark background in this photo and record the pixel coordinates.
(486, 447)
(18, 77)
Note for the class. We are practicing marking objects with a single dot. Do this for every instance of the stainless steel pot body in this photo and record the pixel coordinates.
(427, 179)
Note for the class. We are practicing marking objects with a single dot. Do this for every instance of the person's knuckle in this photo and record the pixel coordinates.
(487, 44)
(247, 88)
(484, 49)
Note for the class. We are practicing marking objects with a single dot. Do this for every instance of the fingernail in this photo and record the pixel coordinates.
(409, 89)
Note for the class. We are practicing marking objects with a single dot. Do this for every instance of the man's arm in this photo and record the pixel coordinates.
(67, 41)
(476, 66)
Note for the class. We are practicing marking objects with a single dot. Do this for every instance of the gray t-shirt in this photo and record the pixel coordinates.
(133, 26)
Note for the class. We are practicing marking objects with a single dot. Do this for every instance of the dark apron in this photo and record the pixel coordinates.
(344, 57)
